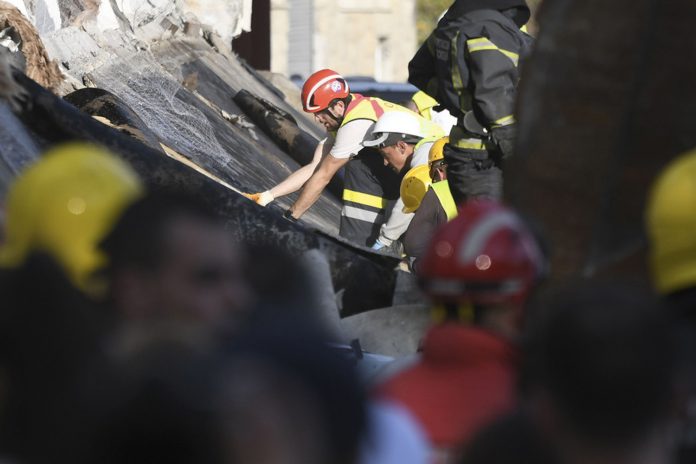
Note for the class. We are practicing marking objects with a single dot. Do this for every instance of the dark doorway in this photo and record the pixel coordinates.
(255, 46)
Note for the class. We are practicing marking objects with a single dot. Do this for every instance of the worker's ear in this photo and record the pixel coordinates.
(402, 146)
(339, 108)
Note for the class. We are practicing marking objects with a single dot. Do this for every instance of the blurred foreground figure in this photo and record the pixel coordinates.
(599, 377)
(172, 265)
(671, 229)
(58, 211)
(478, 271)
(273, 395)
(63, 206)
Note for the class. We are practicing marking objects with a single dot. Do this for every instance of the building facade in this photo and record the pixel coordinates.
(373, 38)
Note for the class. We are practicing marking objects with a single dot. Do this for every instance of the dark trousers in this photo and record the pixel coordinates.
(473, 174)
(369, 186)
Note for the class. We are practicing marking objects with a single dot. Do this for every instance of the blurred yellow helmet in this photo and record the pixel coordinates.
(671, 226)
(64, 205)
(413, 187)
(435, 153)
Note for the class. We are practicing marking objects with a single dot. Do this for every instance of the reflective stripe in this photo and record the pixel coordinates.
(460, 138)
(470, 144)
(364, 199)
(507, 120)
(457, 81)
(444, 195)
(361, 214)
(482, 43)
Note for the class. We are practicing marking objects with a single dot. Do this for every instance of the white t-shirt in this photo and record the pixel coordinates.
(350, 137)
(420, 156)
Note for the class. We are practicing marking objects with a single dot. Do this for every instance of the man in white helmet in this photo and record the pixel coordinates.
(404, 141)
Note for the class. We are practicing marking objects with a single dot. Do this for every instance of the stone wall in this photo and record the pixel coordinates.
(375, 38)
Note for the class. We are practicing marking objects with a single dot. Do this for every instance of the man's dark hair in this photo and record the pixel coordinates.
(605, 356)
(137, 240)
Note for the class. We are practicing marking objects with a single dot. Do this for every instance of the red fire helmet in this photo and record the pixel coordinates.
(487, 255)
(321, 89)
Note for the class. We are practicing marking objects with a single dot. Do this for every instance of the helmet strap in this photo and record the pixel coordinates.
(464, 313)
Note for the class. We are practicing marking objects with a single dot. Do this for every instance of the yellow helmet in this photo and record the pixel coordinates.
(424, 102)
(413, 187)
(671, 226)
(64, 205)
(435, 153)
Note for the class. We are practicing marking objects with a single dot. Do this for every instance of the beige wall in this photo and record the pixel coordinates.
(374, 38)
(279, 36)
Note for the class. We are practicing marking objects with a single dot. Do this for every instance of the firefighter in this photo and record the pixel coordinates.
(404, 140)
(470, 65)
(370, 186)
(436, 207)
(478, 272)
(671, 226)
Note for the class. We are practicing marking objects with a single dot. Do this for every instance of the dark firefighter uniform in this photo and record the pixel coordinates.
(470, 65)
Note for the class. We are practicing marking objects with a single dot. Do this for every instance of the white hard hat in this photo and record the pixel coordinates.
(395, 122)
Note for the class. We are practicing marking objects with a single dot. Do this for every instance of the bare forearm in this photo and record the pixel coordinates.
(310, 193)
(294, 181)
(297, 179)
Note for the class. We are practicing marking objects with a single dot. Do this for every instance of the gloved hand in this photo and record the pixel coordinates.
(378, 245)
(262, 198)
(504, 138)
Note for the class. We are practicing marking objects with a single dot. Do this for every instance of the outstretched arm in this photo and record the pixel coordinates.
(315, 185)
(297, 179)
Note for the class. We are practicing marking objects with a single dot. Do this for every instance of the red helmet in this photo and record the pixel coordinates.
(321, 89)
(485, 256)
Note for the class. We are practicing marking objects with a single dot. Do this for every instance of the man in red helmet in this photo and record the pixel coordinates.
(369, 185)
(478, 271)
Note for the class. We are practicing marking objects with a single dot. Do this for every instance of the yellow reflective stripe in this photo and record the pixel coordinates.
(505, 121)
(444, 194)
(475, 45)
(457, 81)
(480, 44)
(470, 144)
(513, 56)
(364, 199)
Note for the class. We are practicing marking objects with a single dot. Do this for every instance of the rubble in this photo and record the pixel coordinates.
(157, 86)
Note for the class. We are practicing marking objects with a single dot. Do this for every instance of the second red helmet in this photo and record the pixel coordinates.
(321, 88)
(485, 256)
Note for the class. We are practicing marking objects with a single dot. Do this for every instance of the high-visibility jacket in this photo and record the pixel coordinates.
(432, 133)
(425, 103)
(370, 108)
(442, 190)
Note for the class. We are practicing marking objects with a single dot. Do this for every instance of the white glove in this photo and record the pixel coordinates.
(265, 198)
(262, 198)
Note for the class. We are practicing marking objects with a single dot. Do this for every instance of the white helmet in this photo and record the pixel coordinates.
(404, 123)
